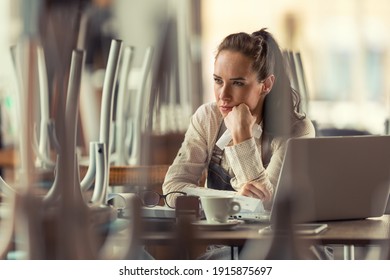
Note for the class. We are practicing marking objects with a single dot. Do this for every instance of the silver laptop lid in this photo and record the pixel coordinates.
(335, 178)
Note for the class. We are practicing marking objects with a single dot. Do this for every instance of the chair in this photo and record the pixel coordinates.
(130, 109)
(297, 75)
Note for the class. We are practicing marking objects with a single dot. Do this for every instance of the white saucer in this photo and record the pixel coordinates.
(203, 224)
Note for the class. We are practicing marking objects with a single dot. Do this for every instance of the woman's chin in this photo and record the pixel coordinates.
(224, 112)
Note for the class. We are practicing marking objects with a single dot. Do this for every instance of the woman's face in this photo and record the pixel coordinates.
(235, 83)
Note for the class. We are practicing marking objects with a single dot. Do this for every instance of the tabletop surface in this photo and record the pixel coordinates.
(357, 232)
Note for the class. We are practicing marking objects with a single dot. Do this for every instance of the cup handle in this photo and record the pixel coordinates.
(235, 207)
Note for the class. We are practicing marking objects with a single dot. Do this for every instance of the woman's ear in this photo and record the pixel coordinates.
(268, 84)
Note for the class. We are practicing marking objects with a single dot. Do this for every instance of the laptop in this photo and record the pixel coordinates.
(334, 178)
(324, 179)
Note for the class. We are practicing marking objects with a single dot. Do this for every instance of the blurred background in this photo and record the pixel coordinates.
(344, 47)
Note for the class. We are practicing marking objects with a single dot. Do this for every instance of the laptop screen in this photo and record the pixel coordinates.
(335, 178)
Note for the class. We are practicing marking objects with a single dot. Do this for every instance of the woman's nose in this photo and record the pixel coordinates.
(224, 93)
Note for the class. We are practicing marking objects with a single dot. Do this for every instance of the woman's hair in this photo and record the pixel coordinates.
(282, 102)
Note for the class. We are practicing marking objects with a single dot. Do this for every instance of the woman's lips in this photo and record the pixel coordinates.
(225, 109)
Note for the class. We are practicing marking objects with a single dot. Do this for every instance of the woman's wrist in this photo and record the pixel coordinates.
(241, 137)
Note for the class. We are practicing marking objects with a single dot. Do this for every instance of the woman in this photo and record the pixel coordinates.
(240, 139)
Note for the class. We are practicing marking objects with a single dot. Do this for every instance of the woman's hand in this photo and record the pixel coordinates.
(257, 190)
(240, 122)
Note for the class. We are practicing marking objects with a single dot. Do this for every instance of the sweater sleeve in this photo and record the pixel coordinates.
(245, 159)
(193, 156)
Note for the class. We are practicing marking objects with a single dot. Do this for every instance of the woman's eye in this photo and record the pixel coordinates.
(239, 84)
(217, 81)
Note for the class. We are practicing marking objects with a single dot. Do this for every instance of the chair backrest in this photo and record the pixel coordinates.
(130, 108)
(297, 76)
(138, 118)
(119, 156)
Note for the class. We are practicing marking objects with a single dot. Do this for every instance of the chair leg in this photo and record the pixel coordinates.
(349, 252)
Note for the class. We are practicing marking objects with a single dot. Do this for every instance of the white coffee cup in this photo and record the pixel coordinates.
(218, 208)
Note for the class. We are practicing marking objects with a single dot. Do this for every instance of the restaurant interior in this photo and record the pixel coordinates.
(96, 97)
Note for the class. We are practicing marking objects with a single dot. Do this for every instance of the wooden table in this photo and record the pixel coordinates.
(372, 231)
